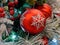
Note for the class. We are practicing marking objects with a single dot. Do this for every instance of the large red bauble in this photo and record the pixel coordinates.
(46, 9)
(33, 21)
(1, 10)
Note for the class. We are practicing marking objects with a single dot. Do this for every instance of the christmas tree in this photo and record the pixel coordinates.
(29, 22)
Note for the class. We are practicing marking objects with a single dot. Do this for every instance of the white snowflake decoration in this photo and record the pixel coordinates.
(38, 21)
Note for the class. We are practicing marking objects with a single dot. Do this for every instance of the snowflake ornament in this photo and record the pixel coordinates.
(38, 21)
(33, 21)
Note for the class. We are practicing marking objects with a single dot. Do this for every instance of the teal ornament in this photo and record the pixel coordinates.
(15, 13)
(19, 11)
(13, 37)
(23, 8)
(26, 5)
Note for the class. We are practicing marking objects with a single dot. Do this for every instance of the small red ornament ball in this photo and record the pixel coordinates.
(45, 40)
(16, 2)
(2, 13)
(33, 21)
(45, 9)
(11, 4)
(11, 8)
(1, 9)
(11, 12)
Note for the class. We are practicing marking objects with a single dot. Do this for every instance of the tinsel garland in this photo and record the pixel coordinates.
(51, 30)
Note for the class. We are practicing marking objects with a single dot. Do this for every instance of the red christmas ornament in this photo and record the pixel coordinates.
(45, 9)
(11, 4)
(16, 2)
(2, 14)
(45, 40)
(1, 10)
(11, 8)
(11, 12)
(33, 21)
